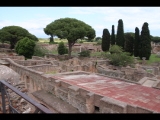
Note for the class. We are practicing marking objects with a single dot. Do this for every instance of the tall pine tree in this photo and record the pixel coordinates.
(136, 42)
(113, 36)
(120, 40)
(105, 40)
(145, 42)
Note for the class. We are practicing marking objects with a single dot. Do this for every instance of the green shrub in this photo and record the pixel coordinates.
(62, 49)
(115, 49)
(40, 51)
(99, 42)
(85, 53)
(25, 47)
(118, 57)
(80, 41)
(121, 59)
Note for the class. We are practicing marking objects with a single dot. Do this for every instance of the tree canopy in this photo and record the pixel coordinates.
(70, 29)
(129, 43)
(113, 36)
(145, 42)
(105, 40)
(120, 40)
(136, 42)
(14, 33)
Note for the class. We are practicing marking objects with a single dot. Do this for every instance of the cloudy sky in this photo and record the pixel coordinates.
(34, 19)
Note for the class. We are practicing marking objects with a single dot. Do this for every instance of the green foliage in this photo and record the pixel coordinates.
(129, 43)
(53, 43)
(113, 39)
(118, 57)
(40, 51)
(98, 38)
(120, 40)
(85, 53)
(136, 42)
(153, 58)
(4, 36)
(145, 42)
(70, 29)
(25, 47)
(99, 42)
(80, 41)
(155, 39)
(105, 40)
(14, 34)
(62, 49)
(115, 49)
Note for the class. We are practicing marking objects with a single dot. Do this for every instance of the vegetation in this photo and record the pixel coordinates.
(120, 40)
(70, 29)
(62, 49)
(98, 38)
(118, 57)
(153, 59)
(25, 47)
(99, 42)
(85, 53)
(105, 40)
(113, 39)
(145, 42)
(129, 43)
(115, 49)
(15, 33)
(40, 51)
(155, 39)
(136, 42)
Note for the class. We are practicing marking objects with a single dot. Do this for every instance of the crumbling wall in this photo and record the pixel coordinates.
(31, 62)
(46, 68)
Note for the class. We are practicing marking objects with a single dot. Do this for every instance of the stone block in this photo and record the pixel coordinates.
(112, 106)
(143, 110)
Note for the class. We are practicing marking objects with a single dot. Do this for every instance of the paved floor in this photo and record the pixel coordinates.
(123, 91)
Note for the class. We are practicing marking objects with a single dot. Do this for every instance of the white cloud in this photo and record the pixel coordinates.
(132, 16)
(98, 17)
(34, 26)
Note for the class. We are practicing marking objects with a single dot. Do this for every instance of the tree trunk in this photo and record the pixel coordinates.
(70, 49)
(51, 39)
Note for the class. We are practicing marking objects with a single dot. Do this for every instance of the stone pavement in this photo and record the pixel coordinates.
(132, 94)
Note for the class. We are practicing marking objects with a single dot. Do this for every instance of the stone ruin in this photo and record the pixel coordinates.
(37, 74)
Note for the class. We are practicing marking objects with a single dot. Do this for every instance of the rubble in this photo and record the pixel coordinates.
(16, 101)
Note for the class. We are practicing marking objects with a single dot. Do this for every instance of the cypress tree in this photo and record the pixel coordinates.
(136, 42)
(113, 36)
(120, 40)
(129, 42)
(145, 42)
(105, 40)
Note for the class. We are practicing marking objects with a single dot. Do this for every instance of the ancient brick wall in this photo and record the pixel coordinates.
(83, 100)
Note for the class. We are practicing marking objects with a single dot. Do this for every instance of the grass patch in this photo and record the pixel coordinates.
(94, 54)
(46, 40)
(152, 59)
(51, 72)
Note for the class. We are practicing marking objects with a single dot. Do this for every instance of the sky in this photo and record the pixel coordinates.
(34, 19)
